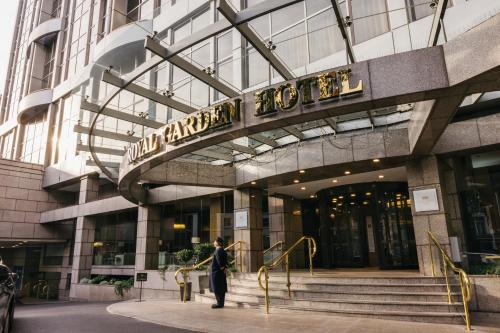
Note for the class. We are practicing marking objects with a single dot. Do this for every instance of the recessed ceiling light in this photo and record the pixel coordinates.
(253, 183)
(341, 197)
(312, 196)
(253, 196)
(335, 181)
(376, 160)
(368, 193)
(302, 171)
(353, 195)
(296, 181)
(347, 172)
(380, 176)
(352, 203)
(303, 188)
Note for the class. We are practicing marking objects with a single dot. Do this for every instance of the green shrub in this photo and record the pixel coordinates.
(184, 256)
(98, 279)
(122, 286)
(203, 251)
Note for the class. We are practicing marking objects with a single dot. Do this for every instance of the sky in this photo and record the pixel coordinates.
(7, 22)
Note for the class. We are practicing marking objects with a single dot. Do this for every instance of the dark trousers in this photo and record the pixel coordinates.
(220, 299)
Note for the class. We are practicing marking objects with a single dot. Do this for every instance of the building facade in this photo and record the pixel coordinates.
(132, 129)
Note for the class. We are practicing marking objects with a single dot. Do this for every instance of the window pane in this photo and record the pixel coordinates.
(225, 46)
(324, 36)
(290, 46)
(313, 6)
(287, 16)
(257, 68)
(370, 19)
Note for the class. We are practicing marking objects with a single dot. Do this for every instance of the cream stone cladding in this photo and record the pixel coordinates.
(22, 200)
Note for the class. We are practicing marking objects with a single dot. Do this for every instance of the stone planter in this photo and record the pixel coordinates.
(99, 293)
(485, 293)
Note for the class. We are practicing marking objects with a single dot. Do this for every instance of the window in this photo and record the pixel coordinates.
(7, 145)
(34, 141)
(53, 254)
(369, 19)
(115, 238)
(479, 191)
(48, 67)
(418, 9)
(77, 58)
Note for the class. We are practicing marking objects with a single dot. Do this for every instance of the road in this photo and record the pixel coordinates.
(79, 318)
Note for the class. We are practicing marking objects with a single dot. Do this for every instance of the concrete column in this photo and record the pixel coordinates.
(148, 236)
(215, 218)
(284, 226)
(82, 258)
(423, 174)
(89, 189)
(250, 201)
(84, 233)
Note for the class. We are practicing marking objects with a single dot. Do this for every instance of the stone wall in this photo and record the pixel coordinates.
(22, 200)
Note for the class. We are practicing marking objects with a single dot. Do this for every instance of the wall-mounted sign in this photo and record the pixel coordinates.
(425, 200)
(241, 219)
(330, 86)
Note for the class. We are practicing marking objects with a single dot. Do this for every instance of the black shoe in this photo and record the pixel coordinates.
(217, 306)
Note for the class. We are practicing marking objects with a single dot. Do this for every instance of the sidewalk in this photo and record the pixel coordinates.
(200, 317)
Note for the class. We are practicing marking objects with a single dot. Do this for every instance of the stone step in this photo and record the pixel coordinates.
(428, 316)
(334, 287)
(322, 278)
(347, 303)
(353, 295)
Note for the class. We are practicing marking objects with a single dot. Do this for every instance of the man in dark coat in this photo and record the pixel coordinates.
(218, 283)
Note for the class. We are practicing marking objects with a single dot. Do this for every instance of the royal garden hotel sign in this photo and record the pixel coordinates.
(330, 87)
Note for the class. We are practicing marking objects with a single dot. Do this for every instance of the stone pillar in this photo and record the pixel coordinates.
(84, 233)
(89, 189)
(82, 258)
(215, 218)
(148, 236)
(424, 174)
(284, 226)
(249, 201)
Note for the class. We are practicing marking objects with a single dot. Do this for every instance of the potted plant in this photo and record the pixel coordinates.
(184, 256)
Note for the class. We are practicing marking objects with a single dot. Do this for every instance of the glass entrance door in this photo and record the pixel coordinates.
(367, 225)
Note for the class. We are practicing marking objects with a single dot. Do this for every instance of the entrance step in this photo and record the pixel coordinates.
(410, 298)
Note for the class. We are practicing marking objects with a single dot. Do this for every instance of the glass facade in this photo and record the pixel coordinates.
(183, 224)
(478, 183)
(115, 239)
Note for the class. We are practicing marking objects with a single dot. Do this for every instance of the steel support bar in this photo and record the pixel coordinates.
(106, 134)
(146, 93)
(214, 155)
(189, 68)
(246, 30)
(295, 132)
(343, 30)
(436, 22)
(332, 123)
(242, 149)
(101, 150)
(121, 115)
(264, 139)
(111, 165)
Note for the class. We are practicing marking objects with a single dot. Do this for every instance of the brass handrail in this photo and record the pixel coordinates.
(285, 258)
(278, 243)
(275, 245)
(185, 270)
(465, 285)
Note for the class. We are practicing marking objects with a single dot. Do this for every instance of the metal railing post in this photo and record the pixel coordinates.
(266, 276)
(287, 267)
(448, 288)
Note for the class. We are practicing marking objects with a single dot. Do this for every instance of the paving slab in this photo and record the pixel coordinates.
(200, 317)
